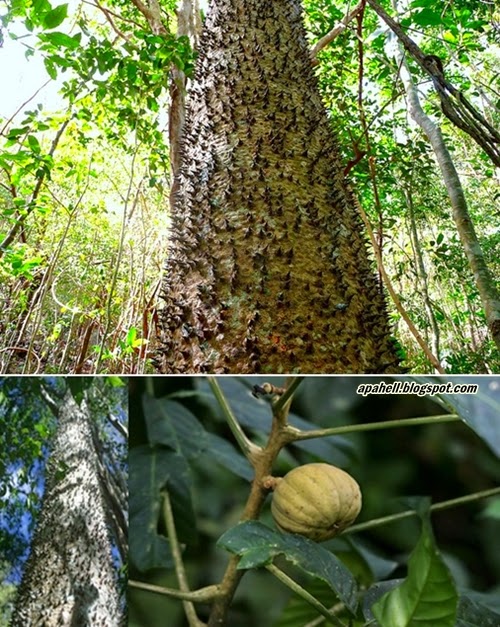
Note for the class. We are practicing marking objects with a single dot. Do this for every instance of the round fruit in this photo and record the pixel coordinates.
(316, 500)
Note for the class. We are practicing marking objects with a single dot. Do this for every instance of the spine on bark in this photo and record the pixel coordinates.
(267, 267)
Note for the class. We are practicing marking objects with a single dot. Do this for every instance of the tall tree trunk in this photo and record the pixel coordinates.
(485, 283)
(69, 579)
(267, 268)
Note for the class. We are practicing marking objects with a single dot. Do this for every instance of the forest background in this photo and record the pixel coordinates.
(84, 190)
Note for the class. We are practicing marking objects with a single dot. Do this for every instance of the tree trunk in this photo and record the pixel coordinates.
(485, 283)
(69, 579)
(267, 268)
(421, 273)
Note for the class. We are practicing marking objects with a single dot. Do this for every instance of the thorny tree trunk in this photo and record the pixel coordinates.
(69, 579)
(267, 268)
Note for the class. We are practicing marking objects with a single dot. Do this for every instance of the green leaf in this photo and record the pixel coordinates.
(449, 37)
(298, 612)
(51, 68)
(56, 16)
(258, 545)
(115, 382)
(34, 143)
(225, 454)
(61, 40)
(492, 510)
(16, 132)
(173, 425)
(427, 597)
(427, 17)
(78, 385)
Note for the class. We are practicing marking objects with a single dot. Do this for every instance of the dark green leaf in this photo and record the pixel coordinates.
(473, 610)
(224, 453)
(256, 414)
(153, 469)
(78, 385)
(480, 410)
(258, 545)
(428, 17)
(171, 424)
(16, 132)
(51, 68)
(379, 566)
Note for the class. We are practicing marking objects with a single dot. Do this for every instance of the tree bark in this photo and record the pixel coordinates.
(69, 578)
(267, 268)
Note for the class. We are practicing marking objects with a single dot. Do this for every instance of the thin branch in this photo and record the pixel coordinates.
(297, 434)
(461, 500)
(53, 405)
(203, 595)
(117, 15)
(180, 571)
(394, 296)
(21, 107)
(9, 238)
(153, 17)
(300, 591)
(287, 396)
(336, 30)
(249, 449)
(120, 427)
(107, 15)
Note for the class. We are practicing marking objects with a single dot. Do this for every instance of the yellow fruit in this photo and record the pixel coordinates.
(316, 500)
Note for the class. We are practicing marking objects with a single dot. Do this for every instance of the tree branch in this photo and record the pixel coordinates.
(336, 30)
(209, 593)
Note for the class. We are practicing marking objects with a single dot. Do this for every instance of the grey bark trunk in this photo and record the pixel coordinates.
(69, 579)
(488, 292)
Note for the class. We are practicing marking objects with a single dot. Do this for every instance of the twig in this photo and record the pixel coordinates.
(21, 106)
(297, 434)
(292, 385)
(461, 500)
(189, 609)
(394, 296)
(298, 589)
(336, 30)
(202, 595)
